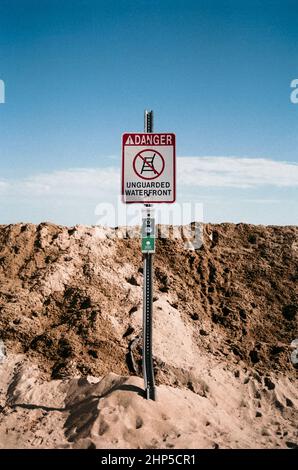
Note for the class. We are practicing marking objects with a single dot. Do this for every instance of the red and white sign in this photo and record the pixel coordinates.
(148, 168)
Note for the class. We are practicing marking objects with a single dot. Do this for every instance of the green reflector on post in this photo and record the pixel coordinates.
(148, 244)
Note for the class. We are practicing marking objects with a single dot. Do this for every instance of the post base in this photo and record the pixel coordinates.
(150, 393)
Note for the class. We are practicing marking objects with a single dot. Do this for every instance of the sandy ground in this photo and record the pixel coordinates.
(224, 317)
(226, 410)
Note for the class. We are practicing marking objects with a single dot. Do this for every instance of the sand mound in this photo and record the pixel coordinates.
(225, 410)
(224, 317)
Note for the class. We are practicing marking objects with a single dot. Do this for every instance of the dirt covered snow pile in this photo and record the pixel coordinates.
(224, 317)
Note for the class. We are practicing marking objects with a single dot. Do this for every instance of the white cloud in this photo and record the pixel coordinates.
(235, 172)
(3, 185)
(72, 182)
(192, 172)
(74, 195)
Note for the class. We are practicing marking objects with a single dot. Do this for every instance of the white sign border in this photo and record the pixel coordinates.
(174, 169)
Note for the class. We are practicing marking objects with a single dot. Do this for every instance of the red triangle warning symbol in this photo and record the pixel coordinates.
(129, 141)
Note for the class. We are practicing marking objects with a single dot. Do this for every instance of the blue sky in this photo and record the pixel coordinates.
(79, 73)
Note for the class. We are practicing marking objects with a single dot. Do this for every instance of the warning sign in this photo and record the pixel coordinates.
(148, 168)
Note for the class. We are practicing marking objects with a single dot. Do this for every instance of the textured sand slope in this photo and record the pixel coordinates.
(71, 297)
(226, 410)
(224, 317)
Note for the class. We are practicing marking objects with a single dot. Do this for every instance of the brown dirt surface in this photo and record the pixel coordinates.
(67, 295)
(71, 305)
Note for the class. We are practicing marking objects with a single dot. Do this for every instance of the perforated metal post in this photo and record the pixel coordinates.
(148, 371)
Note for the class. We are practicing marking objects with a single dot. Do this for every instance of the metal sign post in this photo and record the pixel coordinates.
(148, 176)
(148, 248)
